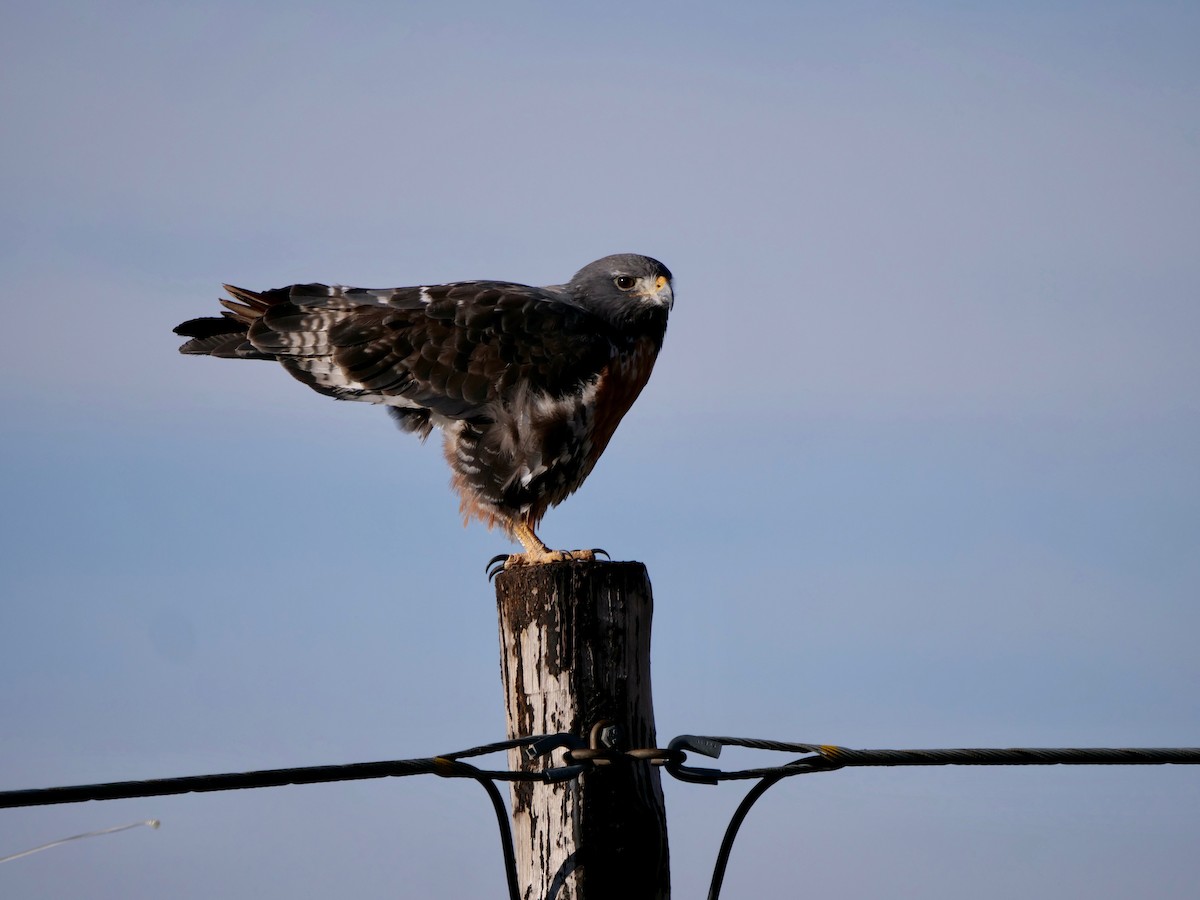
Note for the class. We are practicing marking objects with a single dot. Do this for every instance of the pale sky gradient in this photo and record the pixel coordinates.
(920, 464)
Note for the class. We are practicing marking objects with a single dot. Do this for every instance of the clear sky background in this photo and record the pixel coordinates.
(920, 464)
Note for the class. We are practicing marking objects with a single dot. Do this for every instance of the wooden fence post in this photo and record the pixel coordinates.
(575, 650)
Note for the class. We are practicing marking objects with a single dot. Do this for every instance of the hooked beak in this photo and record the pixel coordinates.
(659, 292)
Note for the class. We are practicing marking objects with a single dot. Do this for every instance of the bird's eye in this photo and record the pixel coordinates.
(625, 282)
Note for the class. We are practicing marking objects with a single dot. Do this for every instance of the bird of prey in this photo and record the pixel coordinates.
(527, 384)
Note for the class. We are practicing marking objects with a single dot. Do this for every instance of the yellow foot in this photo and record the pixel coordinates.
(537, 558)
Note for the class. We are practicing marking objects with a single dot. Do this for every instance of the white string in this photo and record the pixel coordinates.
(153, 823)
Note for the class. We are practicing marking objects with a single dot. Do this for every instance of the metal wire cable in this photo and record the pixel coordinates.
(739, 815)
(828, 757)
(448, 765)
(160, 787)
(506, 838)
(1016, 756)
(580, 758)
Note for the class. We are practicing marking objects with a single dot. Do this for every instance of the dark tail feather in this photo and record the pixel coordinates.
(217, 337)
(226, 336)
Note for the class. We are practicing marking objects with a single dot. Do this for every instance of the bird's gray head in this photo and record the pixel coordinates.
(623, 286)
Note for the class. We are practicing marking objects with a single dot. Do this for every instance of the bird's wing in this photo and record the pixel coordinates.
(455, 349)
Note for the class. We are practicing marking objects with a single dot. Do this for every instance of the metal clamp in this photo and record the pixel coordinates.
(821, 758)
(696, 744)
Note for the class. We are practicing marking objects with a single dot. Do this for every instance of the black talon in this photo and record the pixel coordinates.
(605, 552)
(492, 569)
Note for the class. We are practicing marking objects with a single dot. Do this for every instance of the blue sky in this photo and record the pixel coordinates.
(918, 466)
